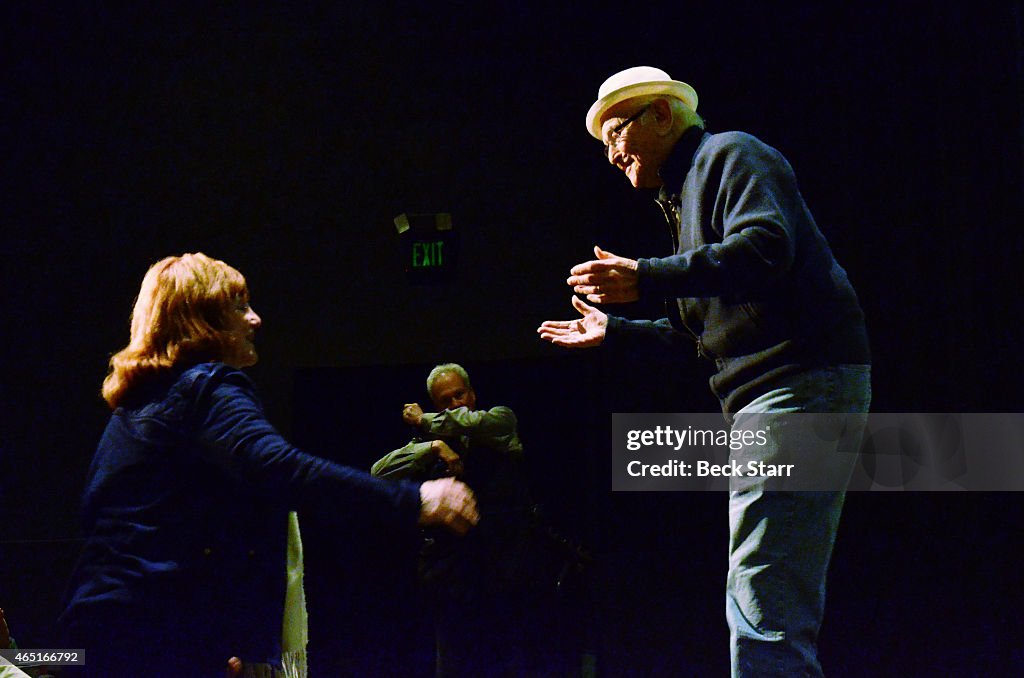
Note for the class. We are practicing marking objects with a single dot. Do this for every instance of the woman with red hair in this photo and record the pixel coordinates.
(192, 555)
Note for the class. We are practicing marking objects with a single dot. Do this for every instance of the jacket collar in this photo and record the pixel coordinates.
(679, 162)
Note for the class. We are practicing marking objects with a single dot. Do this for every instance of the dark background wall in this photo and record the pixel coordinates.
(284, 140)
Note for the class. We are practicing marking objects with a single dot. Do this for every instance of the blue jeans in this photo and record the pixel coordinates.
(780, 541)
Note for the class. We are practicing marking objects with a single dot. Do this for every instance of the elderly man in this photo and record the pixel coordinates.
(755, 285)
(479, 586)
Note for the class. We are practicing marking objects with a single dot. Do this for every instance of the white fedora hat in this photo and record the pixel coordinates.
(636, 82)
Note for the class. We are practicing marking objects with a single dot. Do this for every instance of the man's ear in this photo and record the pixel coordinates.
(662, 116)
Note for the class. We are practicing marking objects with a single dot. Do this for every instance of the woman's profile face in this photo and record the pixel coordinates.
(241, 327)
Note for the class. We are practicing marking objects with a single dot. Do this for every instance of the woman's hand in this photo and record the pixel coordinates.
(448, 503)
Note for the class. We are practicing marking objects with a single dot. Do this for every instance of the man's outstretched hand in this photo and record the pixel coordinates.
(609, 279)
(580, 333)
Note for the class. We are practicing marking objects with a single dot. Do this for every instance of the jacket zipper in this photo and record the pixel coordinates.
(667, 210)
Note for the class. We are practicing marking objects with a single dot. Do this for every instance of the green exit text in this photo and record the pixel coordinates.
(428, 254)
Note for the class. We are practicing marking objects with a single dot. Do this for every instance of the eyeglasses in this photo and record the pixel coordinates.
(613, 134)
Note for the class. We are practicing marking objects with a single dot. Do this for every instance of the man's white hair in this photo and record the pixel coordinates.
(682, 114)
(444, 368)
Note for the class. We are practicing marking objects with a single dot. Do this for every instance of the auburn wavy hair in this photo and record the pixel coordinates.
(178, 321)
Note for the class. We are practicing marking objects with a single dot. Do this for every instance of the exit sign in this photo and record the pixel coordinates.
(428, 254)
(429, 247)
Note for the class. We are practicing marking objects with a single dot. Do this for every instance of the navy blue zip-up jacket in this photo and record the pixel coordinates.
(753, 279)
(185, 515)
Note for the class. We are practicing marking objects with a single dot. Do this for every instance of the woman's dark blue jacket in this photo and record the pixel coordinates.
(185, 514)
